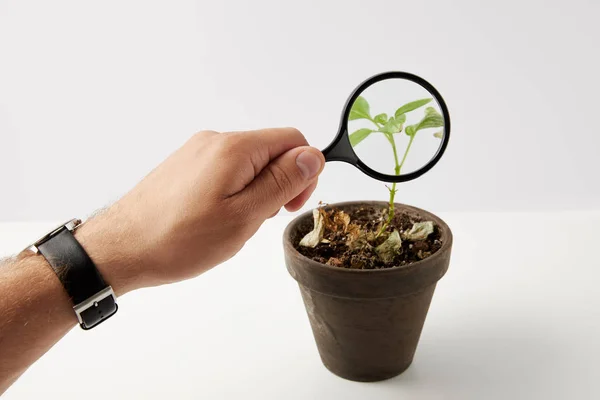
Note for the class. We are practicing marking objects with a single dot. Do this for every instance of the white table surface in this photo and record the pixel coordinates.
(516, 317)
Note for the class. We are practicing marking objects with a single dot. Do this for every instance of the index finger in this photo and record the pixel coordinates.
(265, 145)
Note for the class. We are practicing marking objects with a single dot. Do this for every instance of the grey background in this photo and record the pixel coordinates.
(94, 95)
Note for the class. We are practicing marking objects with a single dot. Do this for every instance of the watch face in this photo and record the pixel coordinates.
(69, 225)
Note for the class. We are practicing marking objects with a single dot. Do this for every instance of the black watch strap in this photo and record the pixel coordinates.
(94, 300)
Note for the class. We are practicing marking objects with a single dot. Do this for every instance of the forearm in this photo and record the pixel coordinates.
(194, 211)
(36, 312)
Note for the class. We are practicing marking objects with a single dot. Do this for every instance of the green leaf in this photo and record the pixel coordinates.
(359, 136)
(430, 111)
(413, 105)
(401, 118)
(381, 118)
(439, 134)
(360, 109)
(392, 126)
(432, 119)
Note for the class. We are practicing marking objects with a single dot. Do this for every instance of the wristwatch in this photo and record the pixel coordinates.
(93, 300)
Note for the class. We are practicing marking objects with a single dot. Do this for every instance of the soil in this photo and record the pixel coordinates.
(368, 221)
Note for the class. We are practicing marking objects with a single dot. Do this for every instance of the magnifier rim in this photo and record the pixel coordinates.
(395, 75)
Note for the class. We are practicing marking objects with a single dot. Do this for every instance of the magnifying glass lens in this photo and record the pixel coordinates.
(396, 126)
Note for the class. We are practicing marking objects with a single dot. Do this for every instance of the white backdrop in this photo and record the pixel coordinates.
(94, 94)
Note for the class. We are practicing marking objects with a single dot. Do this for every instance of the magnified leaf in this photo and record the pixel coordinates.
(430, 110)
(432, 119)
(400, 120)
(413, 105)
(392, 126)
(359, 136)
(360, 109)
(381, 118)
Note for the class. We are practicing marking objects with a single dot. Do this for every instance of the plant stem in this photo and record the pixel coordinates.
(398, 167)
(391, 208)
(397, 170)
(390, 138)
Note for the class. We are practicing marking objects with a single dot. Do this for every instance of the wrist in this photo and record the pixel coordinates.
(113, 255)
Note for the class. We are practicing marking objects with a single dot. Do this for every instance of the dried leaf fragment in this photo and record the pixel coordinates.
(341, 220)
(419, 231)
(392, 246)
(352, 233)
(359, 241)
(314, 237)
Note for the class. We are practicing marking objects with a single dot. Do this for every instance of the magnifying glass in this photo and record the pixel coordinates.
(395, 127)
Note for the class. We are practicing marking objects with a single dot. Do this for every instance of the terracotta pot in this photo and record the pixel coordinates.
(366, 323)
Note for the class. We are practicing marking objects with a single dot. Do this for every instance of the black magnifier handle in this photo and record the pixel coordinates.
(341, 150)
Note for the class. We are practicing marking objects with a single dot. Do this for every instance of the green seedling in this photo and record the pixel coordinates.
(390, 126)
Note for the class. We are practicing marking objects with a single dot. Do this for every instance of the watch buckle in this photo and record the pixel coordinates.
(93, 301)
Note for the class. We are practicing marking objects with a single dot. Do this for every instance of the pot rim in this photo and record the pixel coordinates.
(446, 239)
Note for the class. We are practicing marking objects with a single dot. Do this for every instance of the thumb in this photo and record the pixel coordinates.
(284, 178)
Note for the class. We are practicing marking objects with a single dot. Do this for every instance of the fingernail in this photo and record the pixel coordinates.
(309, 164)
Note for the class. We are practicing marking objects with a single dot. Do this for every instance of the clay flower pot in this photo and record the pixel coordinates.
(366, 323)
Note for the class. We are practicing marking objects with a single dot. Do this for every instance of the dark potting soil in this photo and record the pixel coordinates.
(369, 220)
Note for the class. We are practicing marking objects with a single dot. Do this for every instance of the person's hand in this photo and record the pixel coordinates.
(199, 207)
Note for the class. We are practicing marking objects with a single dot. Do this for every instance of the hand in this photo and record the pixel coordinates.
(199, 207)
